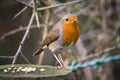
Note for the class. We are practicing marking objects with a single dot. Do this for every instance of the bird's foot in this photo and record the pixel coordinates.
(62, 67)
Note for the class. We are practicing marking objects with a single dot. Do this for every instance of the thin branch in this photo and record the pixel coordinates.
(23, 56)
(12, 32)
(6, 56)
(23, 39)
(45, 31)
(36, 14)
(57, 5)
(16, 15)
(91, 56)
(25, 3)
(22, 9)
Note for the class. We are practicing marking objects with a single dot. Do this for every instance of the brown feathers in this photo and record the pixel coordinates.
(51, 37)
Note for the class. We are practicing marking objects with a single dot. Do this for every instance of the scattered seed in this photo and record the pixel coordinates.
(42, 69)
(14, 68)
(13, 71)
(34, 69)
(20, 67)
(5, 70)
(9, 68)
(17, 70)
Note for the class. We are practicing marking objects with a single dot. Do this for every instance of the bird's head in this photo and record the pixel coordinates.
(70, 19)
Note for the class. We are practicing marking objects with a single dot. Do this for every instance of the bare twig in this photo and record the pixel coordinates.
(6, 56)
(45, 31)
(16, 15)
(23, 39)
(25, 58)
(12, 32)
(91, 56)
(36, 13)
(22, 9)
(27, 4)
(57, 5)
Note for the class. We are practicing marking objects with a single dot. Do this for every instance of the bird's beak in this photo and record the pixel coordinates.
(75, 21)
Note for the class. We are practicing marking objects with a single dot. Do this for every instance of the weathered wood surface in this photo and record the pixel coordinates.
(41, 73)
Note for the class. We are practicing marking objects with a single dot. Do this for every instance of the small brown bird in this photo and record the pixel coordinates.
(64, 34)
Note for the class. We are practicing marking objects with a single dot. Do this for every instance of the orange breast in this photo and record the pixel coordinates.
(70, 34)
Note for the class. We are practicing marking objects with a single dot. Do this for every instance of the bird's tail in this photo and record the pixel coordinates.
(39, 51)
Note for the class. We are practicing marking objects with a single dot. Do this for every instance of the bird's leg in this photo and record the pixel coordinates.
(61, 60)
(58, 57)
(58, 60)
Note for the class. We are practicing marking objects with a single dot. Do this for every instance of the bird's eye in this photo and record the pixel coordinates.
(66, 19)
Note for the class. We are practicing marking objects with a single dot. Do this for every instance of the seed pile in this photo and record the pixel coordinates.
(22, 69)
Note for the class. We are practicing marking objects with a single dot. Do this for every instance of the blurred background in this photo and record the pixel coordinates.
(99, 22)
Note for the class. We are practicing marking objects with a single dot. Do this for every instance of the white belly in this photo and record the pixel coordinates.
(56, 46)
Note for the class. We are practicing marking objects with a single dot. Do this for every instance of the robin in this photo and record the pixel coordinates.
(64, 34)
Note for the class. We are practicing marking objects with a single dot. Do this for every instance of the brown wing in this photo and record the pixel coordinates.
(51, 36)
